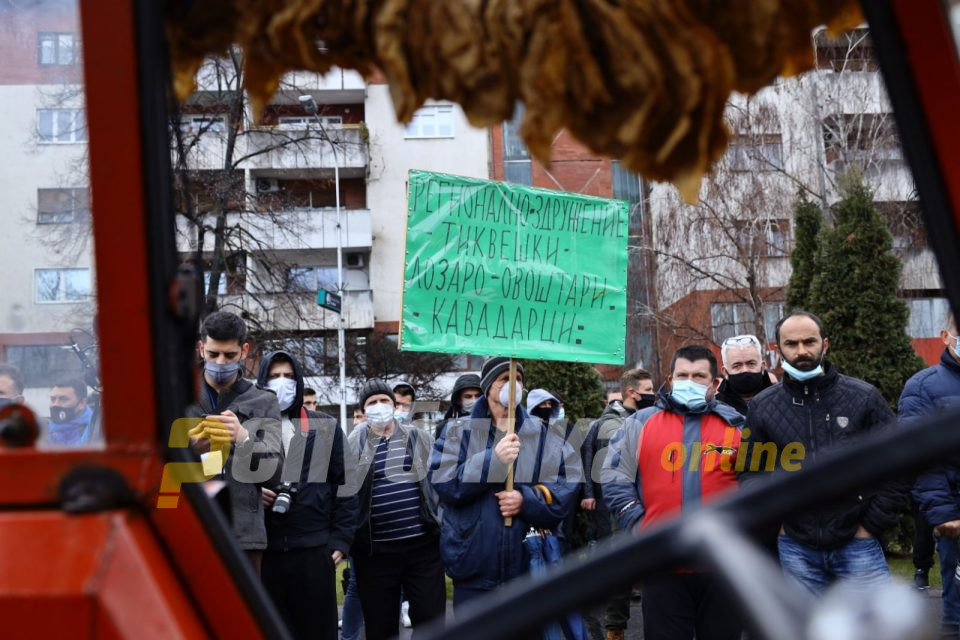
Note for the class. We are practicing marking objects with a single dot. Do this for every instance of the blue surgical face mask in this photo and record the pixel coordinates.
(400, 415)
(956, 345)
(221, 374)
(689, 394)
(561, 414)
(802, 376)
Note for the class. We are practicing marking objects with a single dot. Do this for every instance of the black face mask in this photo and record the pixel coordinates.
(747, 383)
(543, 414)
(646, 400)
(61, 415)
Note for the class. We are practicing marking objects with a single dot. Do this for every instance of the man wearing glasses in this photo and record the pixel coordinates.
(744, 373)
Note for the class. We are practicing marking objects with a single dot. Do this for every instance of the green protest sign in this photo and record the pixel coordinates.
(501, 269)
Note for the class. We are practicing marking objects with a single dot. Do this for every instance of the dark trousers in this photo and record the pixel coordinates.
(302, 584)
(617, 612)
(413, 565)
(679, 606)
(923, 542)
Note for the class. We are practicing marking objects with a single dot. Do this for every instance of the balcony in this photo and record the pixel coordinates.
(290, 229)
(343, 86)
(300, 312)
(266, 141)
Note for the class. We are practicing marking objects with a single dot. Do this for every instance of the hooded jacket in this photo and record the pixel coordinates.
(667, 459)
(321, 512)
(478, 551)
(594, 450)
(827, 412)
(455, 410)
(934, 390)
(537, 396)
(247, 463)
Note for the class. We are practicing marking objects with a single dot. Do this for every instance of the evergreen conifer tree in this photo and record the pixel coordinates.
(807, 222)
(854, 291)
(577, 383)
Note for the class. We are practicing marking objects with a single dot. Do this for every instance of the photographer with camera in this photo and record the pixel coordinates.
(309, 526)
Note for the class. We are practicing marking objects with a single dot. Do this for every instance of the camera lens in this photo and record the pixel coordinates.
(282, 503)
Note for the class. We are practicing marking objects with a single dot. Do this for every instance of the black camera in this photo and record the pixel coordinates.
(286, 492)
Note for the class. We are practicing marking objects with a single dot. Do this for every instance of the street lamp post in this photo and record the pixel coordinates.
(310, 105)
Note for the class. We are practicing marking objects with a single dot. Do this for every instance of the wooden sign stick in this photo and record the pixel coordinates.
(511, 419)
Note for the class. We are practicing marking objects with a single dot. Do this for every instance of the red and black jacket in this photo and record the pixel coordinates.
(667, 459)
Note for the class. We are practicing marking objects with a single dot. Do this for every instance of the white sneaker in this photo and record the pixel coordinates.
(405, 614)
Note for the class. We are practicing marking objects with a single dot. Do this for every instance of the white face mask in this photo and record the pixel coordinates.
(468, 404)
(379, 415)
(505, 394)
(286, 390)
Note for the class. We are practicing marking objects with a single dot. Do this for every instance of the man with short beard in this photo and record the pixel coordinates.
(821, 409)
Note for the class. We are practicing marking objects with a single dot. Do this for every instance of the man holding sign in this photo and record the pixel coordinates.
(469, 472)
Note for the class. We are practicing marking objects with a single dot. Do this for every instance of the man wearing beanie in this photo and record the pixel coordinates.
(469, 470)
(397, 542)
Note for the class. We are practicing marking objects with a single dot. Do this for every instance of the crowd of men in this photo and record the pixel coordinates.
(410, 507)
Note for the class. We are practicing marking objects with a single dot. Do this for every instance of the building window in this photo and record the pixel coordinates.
(61, 125)
(302, 122)
(317, 354)
(62, 285)
(58, 49)
(196, 125)
(310, 279)
(905, 224)
(431, 121)
(736, 318)
(465, 362)
(927, 317)
(861, 137)
(764, 238)
(517, 167)
(221, 285)
(755, 152)
(42, 364)
(62, 206)
(852, 51)
(626, 184)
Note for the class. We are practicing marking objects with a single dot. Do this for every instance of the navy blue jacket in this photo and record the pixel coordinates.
(933, 390)
(478, 550)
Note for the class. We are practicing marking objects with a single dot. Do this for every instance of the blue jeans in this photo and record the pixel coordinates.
(860, 561)
(950, 619)
(352, 613)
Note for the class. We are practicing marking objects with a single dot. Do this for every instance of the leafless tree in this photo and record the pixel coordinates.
(802, 134)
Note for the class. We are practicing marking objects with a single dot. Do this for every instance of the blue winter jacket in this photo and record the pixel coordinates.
(478, 550)
(934, 390)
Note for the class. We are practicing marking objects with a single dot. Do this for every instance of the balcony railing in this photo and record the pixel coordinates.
(287, 229)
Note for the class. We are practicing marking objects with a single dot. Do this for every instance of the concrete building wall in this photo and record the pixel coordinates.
(392, 156)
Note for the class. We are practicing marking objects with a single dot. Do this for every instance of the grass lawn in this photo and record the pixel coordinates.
(343, 565)
(903, 568)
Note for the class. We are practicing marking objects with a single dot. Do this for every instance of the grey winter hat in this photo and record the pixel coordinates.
(374, 387)
(492, 368)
